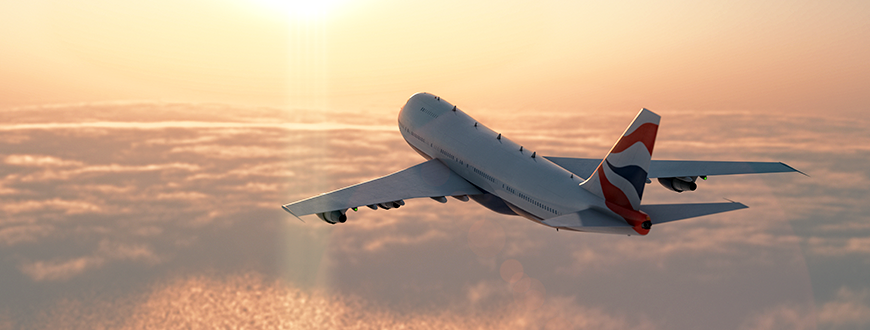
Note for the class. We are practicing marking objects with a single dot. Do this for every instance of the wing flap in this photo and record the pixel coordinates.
(427, 179)
(661, 213)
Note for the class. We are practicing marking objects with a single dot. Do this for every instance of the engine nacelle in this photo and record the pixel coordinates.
(333, 217)
(392, 205)
(681, 184)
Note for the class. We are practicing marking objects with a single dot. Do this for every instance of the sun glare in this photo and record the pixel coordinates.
(300, 9)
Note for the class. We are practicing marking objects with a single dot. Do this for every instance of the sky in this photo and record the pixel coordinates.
(784, 56)
(147, 147)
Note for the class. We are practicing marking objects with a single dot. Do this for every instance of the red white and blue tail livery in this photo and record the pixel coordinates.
(622, 175)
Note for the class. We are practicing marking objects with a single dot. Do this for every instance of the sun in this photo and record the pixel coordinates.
(300, 9)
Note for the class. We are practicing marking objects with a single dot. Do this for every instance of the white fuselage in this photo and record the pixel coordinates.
(532, 187)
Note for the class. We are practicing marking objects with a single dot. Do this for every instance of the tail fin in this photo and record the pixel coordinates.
(622, 175)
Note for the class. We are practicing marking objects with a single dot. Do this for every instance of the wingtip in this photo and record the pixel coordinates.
(291, 212)
(794, 169)
(735, 202)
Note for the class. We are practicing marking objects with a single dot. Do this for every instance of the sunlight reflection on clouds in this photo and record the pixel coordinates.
(249, 301)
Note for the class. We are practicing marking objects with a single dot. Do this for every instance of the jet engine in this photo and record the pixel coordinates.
(680, 184)
(391, 205)
(333, 217)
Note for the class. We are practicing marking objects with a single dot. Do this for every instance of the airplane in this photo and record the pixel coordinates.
(467, 160)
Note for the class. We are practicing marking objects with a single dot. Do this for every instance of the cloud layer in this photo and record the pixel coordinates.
(150, 202)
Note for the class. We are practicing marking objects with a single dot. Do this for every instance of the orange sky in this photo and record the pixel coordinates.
(804, 56)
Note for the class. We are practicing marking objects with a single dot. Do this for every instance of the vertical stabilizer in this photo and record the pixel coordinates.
(622, 175)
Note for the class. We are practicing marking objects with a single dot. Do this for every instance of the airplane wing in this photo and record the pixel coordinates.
(427, 179)
(678, 168)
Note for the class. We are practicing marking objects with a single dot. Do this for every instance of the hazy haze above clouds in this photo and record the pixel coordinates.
(801, 56)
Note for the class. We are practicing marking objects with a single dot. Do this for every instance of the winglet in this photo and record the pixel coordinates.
(291, 213)
(794, 169)
(733, 201)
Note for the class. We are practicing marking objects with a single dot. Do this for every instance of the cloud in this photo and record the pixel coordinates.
(125, 251)
(839, 247)
(179, 190)
(39, 161)
(485, 291)
(157, 115)
(60, 270)
(782, 317)
(387, 241)
(66, 206)
(181, 195)
(250, 301)
(727, 237)
(849, 309)
(25, 233)
(7, 191)
(196, 124)
(58, 175)
(231, 152)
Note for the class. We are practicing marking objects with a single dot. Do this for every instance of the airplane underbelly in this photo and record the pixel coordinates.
(494, 203)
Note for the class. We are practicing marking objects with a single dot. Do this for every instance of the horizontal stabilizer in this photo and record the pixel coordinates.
(661, 213)
(678, 168)
(427, 179)
(592, 220)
